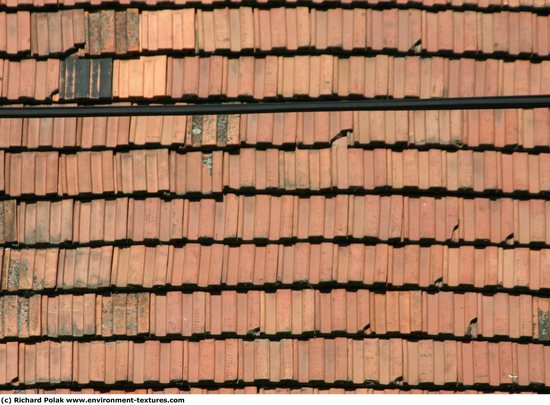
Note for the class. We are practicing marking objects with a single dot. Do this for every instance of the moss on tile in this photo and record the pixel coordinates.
(16, 267)
(207, 161)
(23, 316)
(196, 130)
(221, 130)
(544, 325)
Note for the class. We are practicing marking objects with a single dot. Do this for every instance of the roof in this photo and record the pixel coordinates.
(299, 252)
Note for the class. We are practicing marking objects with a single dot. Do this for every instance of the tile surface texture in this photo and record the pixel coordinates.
(323, 252)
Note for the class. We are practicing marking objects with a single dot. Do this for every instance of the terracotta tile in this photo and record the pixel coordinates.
(522, 364)
(522, 212)
(159, 30)
(534, 184)
(546, 357)
(229, 315)
(536, 363)
(81, 367)
(27, 77)
(439, 362)
(27, 362)
(494, 378)
(412, 376)
(446, 364)
(537, 226)
(147, 43)
(13, 174)
(97, 361)
(101, 360)
(526, 311)
(176, 361)
(10, 35)
(219, 361)
(526, 24)
(187, 23)
(11, 373)
(136, 362)
(500, 32)
(514, 316)
(152, 363)
(544, 275)
(541, 41)
(241, 315)
(501, 316)
(261, 359)
(481, 370)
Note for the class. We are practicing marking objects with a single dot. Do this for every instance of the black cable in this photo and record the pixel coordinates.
(464, 103)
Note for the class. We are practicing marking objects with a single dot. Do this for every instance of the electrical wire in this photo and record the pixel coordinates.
(464, 103)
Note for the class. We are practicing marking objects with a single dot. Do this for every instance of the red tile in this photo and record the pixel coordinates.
(214, 314)
(522, 364)
(390, 28)
(514, 312)
(97, 361)
(439, 362)
(412, 371)
(536, 363)
(546, 368)
(445, 362)
(326, 75)
(261, 357)
(535, 266)
(316, 359)
(392, 311)
(537, 226)
(482, 367)
(500, 32)
(27, 362)
(526, 24)
(65, 361)
(11, 358)
(526, 314)
(459, 316)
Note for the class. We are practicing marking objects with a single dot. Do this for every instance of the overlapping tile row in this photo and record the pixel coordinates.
(291, 29)
(111, 132)
(264, 217)
(345, 168)
(300, 265)
(336, 168)
(246, 28)
(383, 361)
(526, 128)
(492, 4)
(284, 312)
(489, 128)
(326, 75)
(42, 34)
(105, 172)
(274, 77)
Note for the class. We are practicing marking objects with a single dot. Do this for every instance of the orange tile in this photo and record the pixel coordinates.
(481, 370)
(97, 361)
